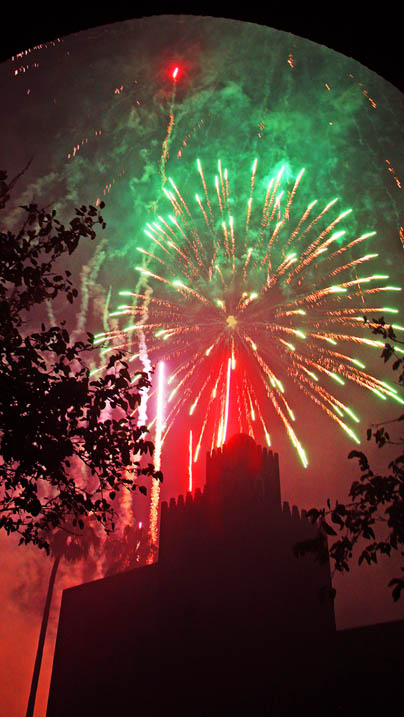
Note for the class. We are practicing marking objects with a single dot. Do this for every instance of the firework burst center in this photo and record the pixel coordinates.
(231, 321)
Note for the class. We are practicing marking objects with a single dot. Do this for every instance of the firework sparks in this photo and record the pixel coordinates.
(243, 309)
(155, 488)
(190, 463)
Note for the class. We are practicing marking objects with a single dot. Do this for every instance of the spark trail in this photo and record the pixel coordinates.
(170, 127)
(155, 487)
(255, 293)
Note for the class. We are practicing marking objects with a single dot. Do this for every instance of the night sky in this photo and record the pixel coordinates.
(93, 108)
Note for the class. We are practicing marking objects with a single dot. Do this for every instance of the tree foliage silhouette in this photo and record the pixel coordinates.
(126, 551)
(376, 512)
(52, 416)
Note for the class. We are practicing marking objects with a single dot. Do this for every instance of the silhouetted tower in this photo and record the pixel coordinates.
(226, 604)
(237, 534)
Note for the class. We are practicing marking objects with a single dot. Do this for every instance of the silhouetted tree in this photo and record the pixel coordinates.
(376, 512)
(51, 413)
(72, 546)
(126, 551)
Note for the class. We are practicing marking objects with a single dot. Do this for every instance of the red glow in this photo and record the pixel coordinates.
(226, 415)
(190, 463)
(175, 73)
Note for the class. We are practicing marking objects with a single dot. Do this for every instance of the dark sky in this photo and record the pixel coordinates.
(373, 38)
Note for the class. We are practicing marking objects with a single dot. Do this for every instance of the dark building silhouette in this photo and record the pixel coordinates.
(227, 622)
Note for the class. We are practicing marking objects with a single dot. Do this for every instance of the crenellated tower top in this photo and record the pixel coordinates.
(239, 465)
(242, 495)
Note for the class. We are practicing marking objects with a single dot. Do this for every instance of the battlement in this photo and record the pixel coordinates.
(177, 507)
(295, 513)
(238, 465)
(242, 488)
(181, 502)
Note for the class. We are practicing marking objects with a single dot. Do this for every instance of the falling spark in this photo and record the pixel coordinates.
(190, 463)
(155, 488)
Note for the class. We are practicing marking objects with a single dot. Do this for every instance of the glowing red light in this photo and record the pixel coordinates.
(175, 73)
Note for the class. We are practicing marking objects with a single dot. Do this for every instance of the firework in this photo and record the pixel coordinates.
(251, 295)
(155, 488)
